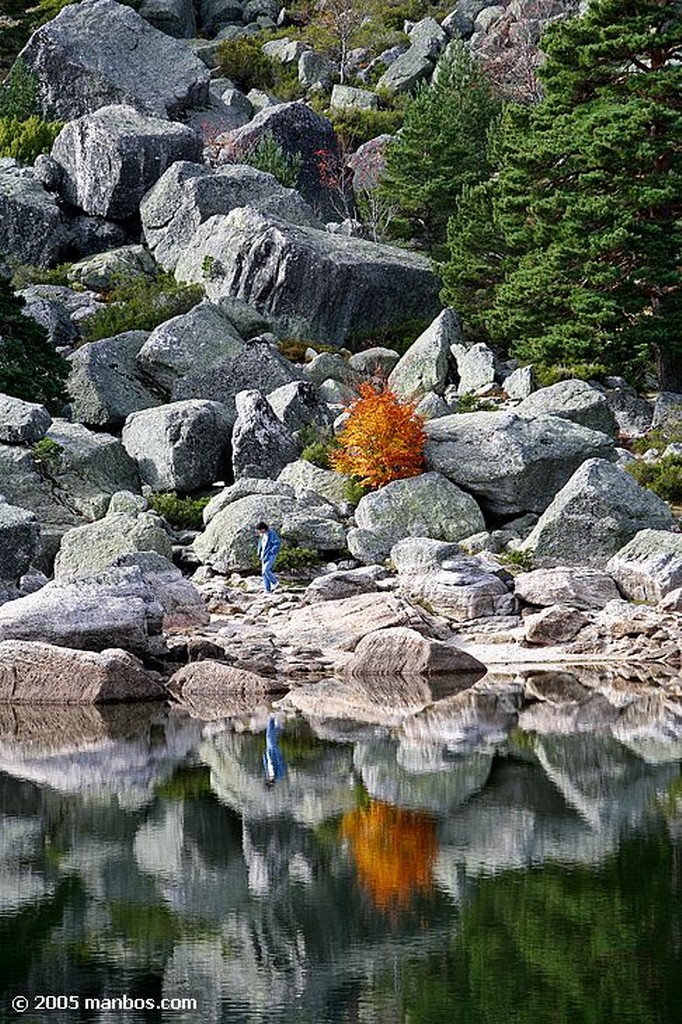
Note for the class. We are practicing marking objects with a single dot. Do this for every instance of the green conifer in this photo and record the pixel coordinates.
(30, 368)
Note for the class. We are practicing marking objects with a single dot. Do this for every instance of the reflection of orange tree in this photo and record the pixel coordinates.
(394, 852)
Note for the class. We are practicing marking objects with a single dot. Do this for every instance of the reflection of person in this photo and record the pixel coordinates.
(268, 548)
(273, 758)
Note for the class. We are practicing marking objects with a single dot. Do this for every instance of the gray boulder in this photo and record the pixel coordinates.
(400, 651)
(99, 272)
(633, 414)
(181, 603)
(95, 546)
(520, 383)
(258, 361)
(649, 566)
(195, 341)
(426, 364)
(333, 586)
(511, 464)
(571, 586)
(61, 331)
(460, 22)
(111, 158)
(22, 422)
(33, 672)
(174, 17)
(555, 625)
(303, 478)
(179, 447)
(477, 367)
(309, 283)
(667, 410)
(33, 227)
(115, 609)
(574, 400)
(314, 71)
(244, 488)
(98, 52)
(19, 541)
(432, 406)
(300, 133)
(229, 541)
(299, 405)
(412, 67)
(216, 14)
(348, 97)
(598, 510)
(104, 381)
(374, 362)
(261, 444)
(421, 506)
(330, 366)
(463, 589)
(422, 555)
(189, 193)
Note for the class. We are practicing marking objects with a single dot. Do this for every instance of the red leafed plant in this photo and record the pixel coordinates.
(382, 440)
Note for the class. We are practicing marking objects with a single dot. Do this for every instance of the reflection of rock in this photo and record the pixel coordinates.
(378, 700)
(20, 840)
(211, 689)
(467, 720)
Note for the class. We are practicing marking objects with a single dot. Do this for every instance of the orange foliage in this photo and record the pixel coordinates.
(383, 439)
(394, 852)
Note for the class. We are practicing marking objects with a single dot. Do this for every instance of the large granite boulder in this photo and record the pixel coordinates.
(98, 52)
(401, 651)
(300, 133)
(510, 463)
(303, 477)
(22, 422)
(309, 283)
(101, 272)
(40, 673)
(111, 158)
(174, 17)
(597, 511)
(574, 400)
(420, 506)
(570, 586)
(95, 546)
(33, 227)
(104, 383)
(477, 367)
(340, 583)
(214, 15)
(244, 488)
(557, 624)
(115, 609)
(633, 414)
(179, 447)
(376, 361)
(331, 366)
(649, 566)
(412, 67)
(461, 590)
(189, 193)
(181, 603)
(425, 367)
(259, 361)
(667, 410)
(229, 540)
(198, 340)
(300, 405)
(19, 541)
(261, 444)
(342, 624)
(422, 555)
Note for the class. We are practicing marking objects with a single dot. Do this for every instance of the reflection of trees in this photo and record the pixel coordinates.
(560, 945)
(394, 852)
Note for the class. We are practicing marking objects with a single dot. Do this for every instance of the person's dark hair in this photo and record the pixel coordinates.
(262, 526)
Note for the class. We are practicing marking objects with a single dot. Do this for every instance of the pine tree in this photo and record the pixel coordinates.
(589, 196)
(442, 146)
(30, 368)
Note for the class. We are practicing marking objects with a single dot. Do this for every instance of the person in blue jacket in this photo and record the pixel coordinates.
(273, 759)
(268, 547)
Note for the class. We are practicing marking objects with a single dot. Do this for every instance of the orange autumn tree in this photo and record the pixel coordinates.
(394, 850)
(382, 440)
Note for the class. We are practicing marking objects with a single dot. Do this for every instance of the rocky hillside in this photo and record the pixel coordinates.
(193, 261)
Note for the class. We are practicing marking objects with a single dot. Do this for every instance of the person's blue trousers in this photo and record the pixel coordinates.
(270, 579)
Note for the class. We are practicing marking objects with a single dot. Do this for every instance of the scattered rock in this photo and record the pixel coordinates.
(100, 272)
(426, 364)
(574, 400)
(400, 651)
(520, 382)
(554, 625)
(33, 228)
(571, 586)
(37, 673)
(95, 546)
(303, 477)
(649, 566)
(298, 405)
(22, 422)
(461, 590)
(179, 447)
(104, 381)
(597, 511)
(261, 444)
(19, 541)
(348, 97)
(334, 586)
(477, 367)
(421, 555)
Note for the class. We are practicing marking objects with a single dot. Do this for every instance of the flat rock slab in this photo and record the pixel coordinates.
(400, 651)
(39, 673)
(575, 586)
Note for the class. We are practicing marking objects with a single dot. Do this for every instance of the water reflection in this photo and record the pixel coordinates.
(443, 865)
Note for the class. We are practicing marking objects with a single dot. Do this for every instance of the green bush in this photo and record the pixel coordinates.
(547, 375)
(47, 455)
(182, 513)
(660, 437)
(25, 140)
(317, 446)
(664, 478)
(354, 490)
(469, 403)
(141, 304)
(26, 274)
(397, 336)
(30, 368)
(522, 560)
(268, 156)
(354, 127)
(245, 64)
(292, 557)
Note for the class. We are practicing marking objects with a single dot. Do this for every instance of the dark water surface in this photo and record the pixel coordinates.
(387, 878)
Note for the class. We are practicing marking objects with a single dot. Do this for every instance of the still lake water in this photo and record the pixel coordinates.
(533, 880)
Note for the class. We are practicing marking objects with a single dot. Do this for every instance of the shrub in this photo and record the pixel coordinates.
(47, 455)
(664, 478)
(382, 440)
(25, 140)
(318, 446)
(660, 437)
(552, 374)
(354, 127)
(245, 64)
(270, 157)
(26, 274)
(397, 336)
(182, 513)
(354, 490)
(469, 403)
(291, 557)
(141, 304)
(522, 560)
(30, 368)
